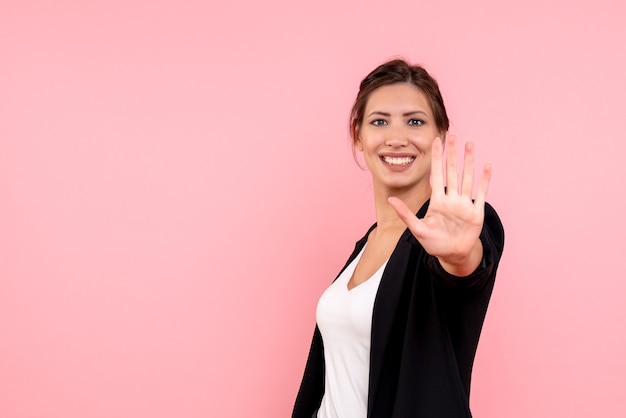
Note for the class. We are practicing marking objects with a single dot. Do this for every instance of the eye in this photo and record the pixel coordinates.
(378, 122)
(416, 122)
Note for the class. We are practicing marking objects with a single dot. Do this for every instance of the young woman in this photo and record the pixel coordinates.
(397, 330)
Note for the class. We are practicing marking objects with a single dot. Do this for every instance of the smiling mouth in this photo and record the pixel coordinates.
(398, 160)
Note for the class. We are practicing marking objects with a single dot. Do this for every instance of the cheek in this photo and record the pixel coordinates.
(425, 142)
(366, 141)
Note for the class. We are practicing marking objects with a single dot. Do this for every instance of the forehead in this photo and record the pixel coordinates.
(400, 97)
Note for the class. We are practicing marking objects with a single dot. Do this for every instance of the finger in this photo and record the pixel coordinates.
(468, 171)
(485, 178)
(436, 167)
(408, 217)
(451, 171)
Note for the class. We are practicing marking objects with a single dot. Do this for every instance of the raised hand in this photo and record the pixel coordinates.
(451, 228)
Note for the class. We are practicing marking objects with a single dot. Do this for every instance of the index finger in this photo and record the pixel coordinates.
(436, 167)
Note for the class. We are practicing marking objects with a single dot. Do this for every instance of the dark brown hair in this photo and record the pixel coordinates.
(392, 72)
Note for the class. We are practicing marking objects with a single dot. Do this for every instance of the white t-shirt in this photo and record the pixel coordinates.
(344, 318)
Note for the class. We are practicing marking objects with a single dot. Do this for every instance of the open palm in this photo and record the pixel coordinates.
(451, 228)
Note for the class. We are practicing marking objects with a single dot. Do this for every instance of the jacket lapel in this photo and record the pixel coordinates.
(386, 305)
(357, 249)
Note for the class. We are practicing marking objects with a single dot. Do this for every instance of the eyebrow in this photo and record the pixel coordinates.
(413, 112)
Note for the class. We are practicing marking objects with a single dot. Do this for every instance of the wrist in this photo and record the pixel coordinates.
(462, 266)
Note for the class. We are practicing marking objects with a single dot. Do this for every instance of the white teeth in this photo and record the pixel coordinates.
(398, 160)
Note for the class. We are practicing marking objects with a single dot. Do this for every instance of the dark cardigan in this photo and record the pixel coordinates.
(425, 329)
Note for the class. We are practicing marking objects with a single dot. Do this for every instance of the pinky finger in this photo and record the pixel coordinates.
(483, 187)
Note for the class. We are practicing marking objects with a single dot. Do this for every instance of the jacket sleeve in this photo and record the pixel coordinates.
(492, 238)
(312, 387)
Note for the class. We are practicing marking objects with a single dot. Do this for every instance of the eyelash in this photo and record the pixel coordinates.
(411, 122)
(419, 122)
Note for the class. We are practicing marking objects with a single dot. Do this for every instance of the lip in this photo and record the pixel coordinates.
(403, 161)
(397, 154)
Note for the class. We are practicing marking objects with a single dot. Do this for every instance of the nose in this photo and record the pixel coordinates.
(396, 137)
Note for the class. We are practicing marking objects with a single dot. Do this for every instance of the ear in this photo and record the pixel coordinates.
(357, 139)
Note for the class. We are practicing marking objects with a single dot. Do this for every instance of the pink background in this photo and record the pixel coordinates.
(177, 189)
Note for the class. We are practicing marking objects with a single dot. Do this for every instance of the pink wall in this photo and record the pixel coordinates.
(176, 189)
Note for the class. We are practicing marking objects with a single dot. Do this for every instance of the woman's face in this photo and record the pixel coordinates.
(396, 137)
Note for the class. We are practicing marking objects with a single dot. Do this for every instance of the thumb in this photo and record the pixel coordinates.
(408, 217)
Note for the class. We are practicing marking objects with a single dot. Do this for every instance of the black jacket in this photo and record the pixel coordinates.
(425, 329)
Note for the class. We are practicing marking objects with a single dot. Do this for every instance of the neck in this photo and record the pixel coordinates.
(386, 217)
